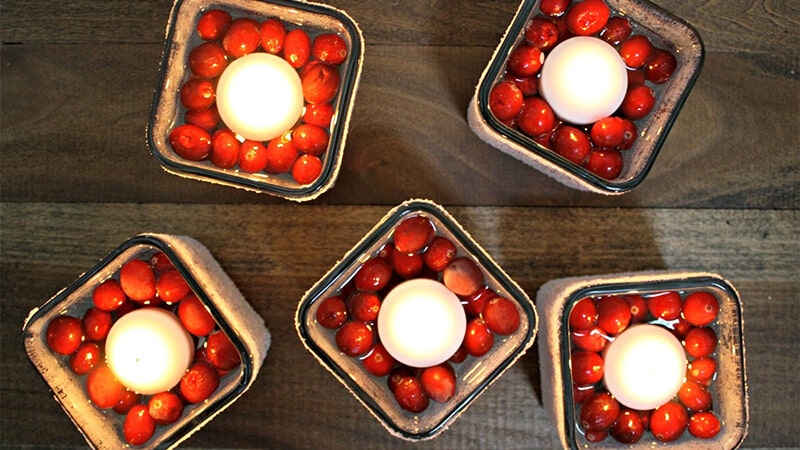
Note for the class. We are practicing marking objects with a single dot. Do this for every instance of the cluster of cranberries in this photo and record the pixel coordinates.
(416, 251)
(298, 152)
(597, 147)
(140, 283)
(594, 322)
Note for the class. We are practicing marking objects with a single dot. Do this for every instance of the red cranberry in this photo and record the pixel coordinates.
(171, 287)
(617, 30)
(410, 395)
(243, 37)
(581, 393)
(571, 143)
(64, 334)
(190, 142)
(613, 314)
(311, 139)
(108, 295)
(320, 82)
(529, 86)
(165, 408)
(638, 102)
(665, 305)
(208, 60)
(593, 340)
(525, 60)
(332, 312)
(463, 276)
(501, 316)
(587, 17)
(554, 7)
(329, 48)
(273, 35)
(306, 169)
(700, 342)
(373, 275)
(378, 361)
(221, 352)
(704, 425)
(319, 114)
(207, 119)
(413, 234)
(630, 134)
(661, 66)
(86, 357)
(96, 324)
(668, 421)
(224, 149)
(195, 317)
(608, 132)
(478, 338)
(439, 253)
(536, 118)
(599, 412)
(129, 399)
(700, 308)
(103, 388)
(587, 367)
(138, 427)
(505, 100)
(407, 265)
(439, 382)
(364, 306)
(280, 154)
(197, 94)
(605, 163)
(702, 370)
(542, 33)
(297, 48)
(253, 156)
(628, 428)
(636, 51)
(474, 304)
(213, 24)
(354, 338)
(583, 315)
(694, 396)
(199, 382)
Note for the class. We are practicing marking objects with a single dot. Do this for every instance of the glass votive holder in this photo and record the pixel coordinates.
(124, 367)
(700, 388)
(471, 365)
(267, 130)
(557, 138)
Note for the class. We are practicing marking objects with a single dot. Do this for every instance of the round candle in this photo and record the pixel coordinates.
(583, 79)
(645, 367)
(148, 350)
(259, 96)
(421, 323)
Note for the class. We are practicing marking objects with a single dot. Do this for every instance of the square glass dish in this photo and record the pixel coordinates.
(272, 100)
(723, 388)
(202, 321)
(619, 167)
(472, 371)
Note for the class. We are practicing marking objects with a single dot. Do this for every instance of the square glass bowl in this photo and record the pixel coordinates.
(664, 30)
(473, 375)
(103, 428)
(728, 388)
(168, 112)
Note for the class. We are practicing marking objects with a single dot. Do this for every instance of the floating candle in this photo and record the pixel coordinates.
(148, 350)
(645, 367)
(421, 323)
(259, 96)
(583, 79)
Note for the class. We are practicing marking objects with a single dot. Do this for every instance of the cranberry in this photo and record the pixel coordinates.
(96, 324)
(306, 169)
(190, 142)
(213, 24)
(197, 94)
(410, 395)
(583, 315)
(397, 375)
(207, 119)
(161, 262)
(199, 382)
(64, 334)
(635, 77)
(587, 17)
(208, 60)
(581, 393)
(364, 306)
(598, 412)
(605, 162)
(665, 305)
(108, 295)
(280, 154)
(171, 286)
(354, 338)
(129, 399)
(554, 7)
(320, 82)
(501, 315)
(413, 234)
(329, 48)
(253, 156)
(86, 357)
(638, 306)
(319, 114)
(243, 37)
(636, 51)
(378, 361)
(462, 276)
(311, 139)
(474, 304)
(439, 253)
(542, 33)
(628, 428)
(700, 308)
(195, 317)
(505, 100)
(704, 425)
(630, 134)
(668, 421)
(407, 265)
(165, 408)
(273, 35)
(103, 388)
(694, 396)
(679, 327)
(593, 340)
(702, 370)
(459, 356)
(571, 143)
(221, 352)
(587, 367)
(617, 30)
(525, 60)
(661, 66)
(224, 149)
(613, 314)
(478, 338)
(439, 382)
(138, 427)
(607, 132)
(297, 48)
(528, 86)
(373, 275)
(638, 102)
(536, 118)
(332, 312)
(700, 342)
(596, 436)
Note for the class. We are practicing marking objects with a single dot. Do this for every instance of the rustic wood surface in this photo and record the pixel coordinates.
(77, 179)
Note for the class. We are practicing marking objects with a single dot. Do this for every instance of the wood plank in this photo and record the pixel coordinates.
(275, 252)
(86, 107)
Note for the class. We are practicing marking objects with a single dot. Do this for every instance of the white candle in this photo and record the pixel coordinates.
(583, 79)
(645, 367)
(421, 323)
(259, 96)
(148, 350)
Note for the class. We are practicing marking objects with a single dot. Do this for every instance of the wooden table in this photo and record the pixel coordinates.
(78, 179)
